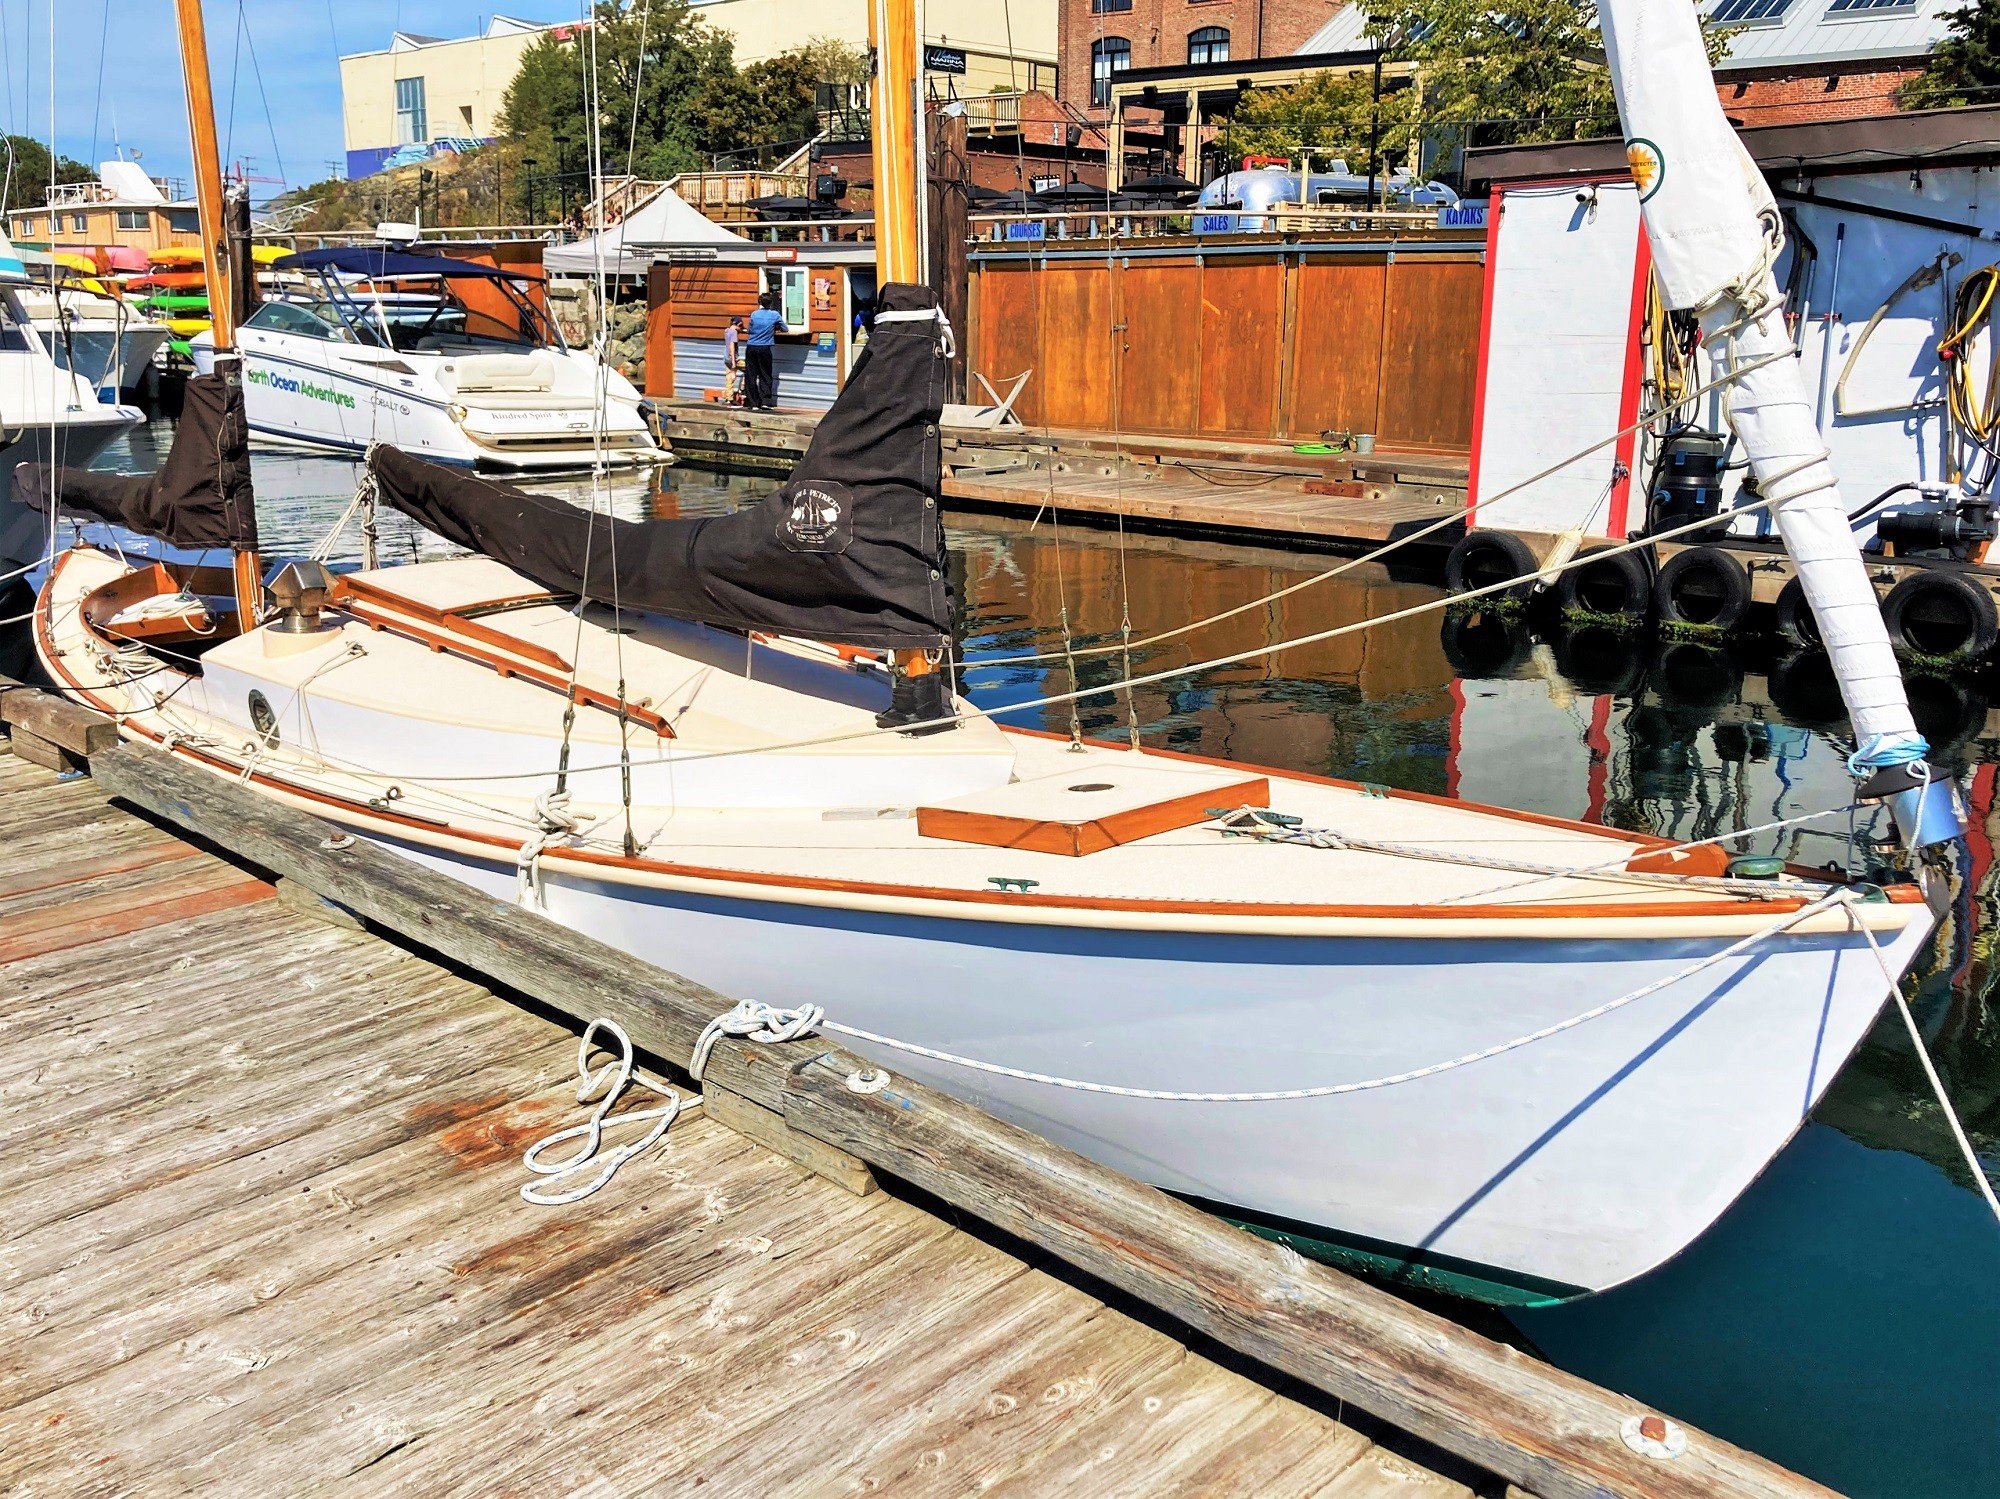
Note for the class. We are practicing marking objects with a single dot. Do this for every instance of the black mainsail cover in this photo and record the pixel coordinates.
(849, 549)
(201, 496)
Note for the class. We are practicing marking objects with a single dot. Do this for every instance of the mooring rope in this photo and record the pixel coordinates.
(610, 1081)
(1979, 1177)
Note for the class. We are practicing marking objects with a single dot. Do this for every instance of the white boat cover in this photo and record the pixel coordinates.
(1714, 237)
(663, 222)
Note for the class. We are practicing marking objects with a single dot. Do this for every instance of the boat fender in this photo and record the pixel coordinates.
(1484, 558)
(1605, 581)
(1703, 585)
(1941, 613)
(1794, 618)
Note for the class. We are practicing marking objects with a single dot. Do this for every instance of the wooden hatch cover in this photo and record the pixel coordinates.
(1092, 808)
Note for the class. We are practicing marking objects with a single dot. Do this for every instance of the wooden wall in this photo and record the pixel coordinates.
(1284, 345)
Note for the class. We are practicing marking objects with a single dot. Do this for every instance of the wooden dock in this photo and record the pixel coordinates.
(264, 1238)
(264, 1234)
(1247, 490)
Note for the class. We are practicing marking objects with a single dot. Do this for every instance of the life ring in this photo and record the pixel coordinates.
(1483, 558)
(1794, 618)
(1702, 586)
(1941, 614)
(1603, 580)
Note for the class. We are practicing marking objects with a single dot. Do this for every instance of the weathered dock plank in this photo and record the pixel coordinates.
(264, 1237)
(1549, 1432)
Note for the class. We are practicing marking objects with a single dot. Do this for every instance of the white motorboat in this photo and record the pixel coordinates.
(453, 359)
(1509, 1055)
(48, 412)
(101, 339)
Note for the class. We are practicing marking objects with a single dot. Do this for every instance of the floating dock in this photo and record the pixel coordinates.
(268, 1090)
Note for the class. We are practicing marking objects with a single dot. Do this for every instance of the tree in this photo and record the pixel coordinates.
(666, 57)
(1330, 115)
(769, 103)
(1527, 70)
(27, 171)
(1965, 68)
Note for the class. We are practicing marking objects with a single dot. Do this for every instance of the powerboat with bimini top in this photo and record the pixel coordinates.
(456, 360)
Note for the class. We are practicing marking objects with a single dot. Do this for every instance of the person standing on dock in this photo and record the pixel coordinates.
(765, 324)
(732, 361)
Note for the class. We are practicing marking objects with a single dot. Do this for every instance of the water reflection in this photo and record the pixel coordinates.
(1844, 1318)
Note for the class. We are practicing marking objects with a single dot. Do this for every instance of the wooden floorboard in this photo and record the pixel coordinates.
(264, 1237)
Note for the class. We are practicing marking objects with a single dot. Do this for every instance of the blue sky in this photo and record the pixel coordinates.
(297, 44)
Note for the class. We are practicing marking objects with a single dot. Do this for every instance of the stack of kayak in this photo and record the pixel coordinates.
(175, 292)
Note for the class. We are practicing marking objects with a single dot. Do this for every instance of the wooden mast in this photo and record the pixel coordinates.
(208, 205)
(893, 111)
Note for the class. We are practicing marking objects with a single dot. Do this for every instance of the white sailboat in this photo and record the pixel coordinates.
(100, 338)
(1509, 1055)
(47, 411)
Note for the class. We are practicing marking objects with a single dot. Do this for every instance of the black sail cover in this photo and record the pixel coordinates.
(850, 549)
(201, 496)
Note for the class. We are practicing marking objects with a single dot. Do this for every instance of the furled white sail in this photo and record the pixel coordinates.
(1715, 235)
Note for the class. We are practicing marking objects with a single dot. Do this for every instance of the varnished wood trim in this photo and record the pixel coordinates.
(454, 621)
(1076, 839)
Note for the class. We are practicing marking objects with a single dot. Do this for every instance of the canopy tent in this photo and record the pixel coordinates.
(663, 222)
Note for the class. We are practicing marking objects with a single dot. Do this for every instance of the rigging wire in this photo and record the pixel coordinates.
(97, 112)
(1729, 377)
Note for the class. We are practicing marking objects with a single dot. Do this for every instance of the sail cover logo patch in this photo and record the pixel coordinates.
(1648, 166)
(816, 516)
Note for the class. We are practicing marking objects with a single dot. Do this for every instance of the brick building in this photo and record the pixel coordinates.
(1096, 39)
(1797, 61)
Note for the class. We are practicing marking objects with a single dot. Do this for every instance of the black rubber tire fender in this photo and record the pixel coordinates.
(1793, 618)
(1941, 613)
(1702, 586)
(1483, 558)
(1484, 644)
(1603, 580)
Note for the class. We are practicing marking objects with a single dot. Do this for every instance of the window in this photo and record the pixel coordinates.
(28, 226)
(79, 223)
(1105, 7)
(183, 220)
(288, 317)
(1868, 7)
(1749, 12)
(133, 218)
(1108, 55)
(1210, 44)
(412, 128)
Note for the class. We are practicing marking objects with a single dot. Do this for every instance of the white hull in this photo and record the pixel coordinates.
(1181, 961)
(339, 397)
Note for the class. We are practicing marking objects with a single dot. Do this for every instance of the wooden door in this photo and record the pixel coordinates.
(1430, 352)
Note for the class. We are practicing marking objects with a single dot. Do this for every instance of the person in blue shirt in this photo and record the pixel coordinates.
(765, 324)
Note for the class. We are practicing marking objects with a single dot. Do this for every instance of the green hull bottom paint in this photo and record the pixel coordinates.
(1401, 1266)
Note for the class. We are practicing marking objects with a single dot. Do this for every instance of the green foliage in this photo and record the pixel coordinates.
(1328, 114)
(26, 187)
(768, 103)
(1530, 71)
(1526, 70)
(1965, 68)
(692, 100)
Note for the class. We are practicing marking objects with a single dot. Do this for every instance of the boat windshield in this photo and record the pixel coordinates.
(436, 314)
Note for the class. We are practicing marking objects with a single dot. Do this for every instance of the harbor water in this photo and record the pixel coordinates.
(1844, 1317)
